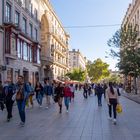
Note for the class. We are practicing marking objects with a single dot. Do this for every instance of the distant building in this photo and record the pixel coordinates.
(77, 60)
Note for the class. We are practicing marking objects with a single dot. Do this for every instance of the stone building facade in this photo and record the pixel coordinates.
(76, 60)
(35, 44)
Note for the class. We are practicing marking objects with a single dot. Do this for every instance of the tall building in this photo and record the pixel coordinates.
(55, 45)
(21, 40)
(35, 44)
(77, 60)
(1, 43)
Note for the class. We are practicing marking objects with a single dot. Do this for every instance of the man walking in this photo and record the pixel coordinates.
(22, 92)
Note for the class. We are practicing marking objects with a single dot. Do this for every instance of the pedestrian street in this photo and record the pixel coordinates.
(84, 121)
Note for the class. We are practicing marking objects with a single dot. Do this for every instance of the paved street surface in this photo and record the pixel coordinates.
(85, 121)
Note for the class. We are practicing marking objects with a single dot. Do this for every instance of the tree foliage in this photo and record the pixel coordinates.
(98, 70)
(77, 74)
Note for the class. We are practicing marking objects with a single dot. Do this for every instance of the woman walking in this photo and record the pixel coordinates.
(67, 96)
(112, 101)
(59, 95)
(39, 93)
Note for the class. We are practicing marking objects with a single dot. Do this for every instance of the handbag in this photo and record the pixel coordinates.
(14, 97)
(56, 99)
(119, 108)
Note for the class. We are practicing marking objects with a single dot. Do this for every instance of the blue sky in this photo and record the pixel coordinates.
(92, 42)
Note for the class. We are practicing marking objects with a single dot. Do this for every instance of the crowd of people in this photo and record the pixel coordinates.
(23, 94)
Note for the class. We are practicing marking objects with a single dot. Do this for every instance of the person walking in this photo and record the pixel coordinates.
(31, 94)
(67, 96)
(59, 93)
(72, 88)
(99, 92)
(112, 100)
(22, 93)
(1, 96)
(9, 91)
(39, 93)
(104, 89)
(48, 90)
(85, 91)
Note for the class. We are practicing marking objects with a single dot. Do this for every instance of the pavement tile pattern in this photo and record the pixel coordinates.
(85, 121)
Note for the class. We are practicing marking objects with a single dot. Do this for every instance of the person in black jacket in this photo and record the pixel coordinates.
(9, 90)
(99, 92)
(59, 94)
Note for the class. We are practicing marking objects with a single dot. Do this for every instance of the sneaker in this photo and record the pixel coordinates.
(22, 124)
(67, 111)
(8, 120)
(114, 121)
(109, 118)
(46, 107)
(40, 106)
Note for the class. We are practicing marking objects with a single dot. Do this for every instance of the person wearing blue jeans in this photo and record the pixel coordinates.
(22, 93)
(39, 93)
(39, 99)
(67, 101)
(21, 108)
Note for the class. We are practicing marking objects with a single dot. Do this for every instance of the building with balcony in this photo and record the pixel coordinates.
(76, 60)
(1, 44)
(35, 43)
(55, 44)
(21, 40)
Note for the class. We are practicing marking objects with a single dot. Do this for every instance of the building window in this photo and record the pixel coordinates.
(31, 8)
(24, 26)
(8, 12)
(30, 50)
(31, 30)
(19, 48)
(36, 14)
(17, 17)
(36, 32)
(25, 51)
(23, 3)
(38, 56)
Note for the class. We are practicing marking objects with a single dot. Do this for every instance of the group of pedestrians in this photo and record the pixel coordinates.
(111, 93)
(23, 93)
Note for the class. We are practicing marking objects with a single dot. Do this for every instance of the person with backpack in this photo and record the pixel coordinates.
(1, 97)
(22, 93)
(9, 91)
(48, 90)
(99, 92)
(112, 101)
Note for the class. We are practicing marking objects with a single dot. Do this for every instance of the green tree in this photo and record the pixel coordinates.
(77, 74)
(98, 70)
(127, 41)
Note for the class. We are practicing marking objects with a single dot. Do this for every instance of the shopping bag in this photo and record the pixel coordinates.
(119, 108)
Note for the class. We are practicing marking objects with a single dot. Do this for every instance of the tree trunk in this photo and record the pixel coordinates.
(135, 84)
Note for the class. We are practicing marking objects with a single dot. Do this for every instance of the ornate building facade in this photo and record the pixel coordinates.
(35, 44)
